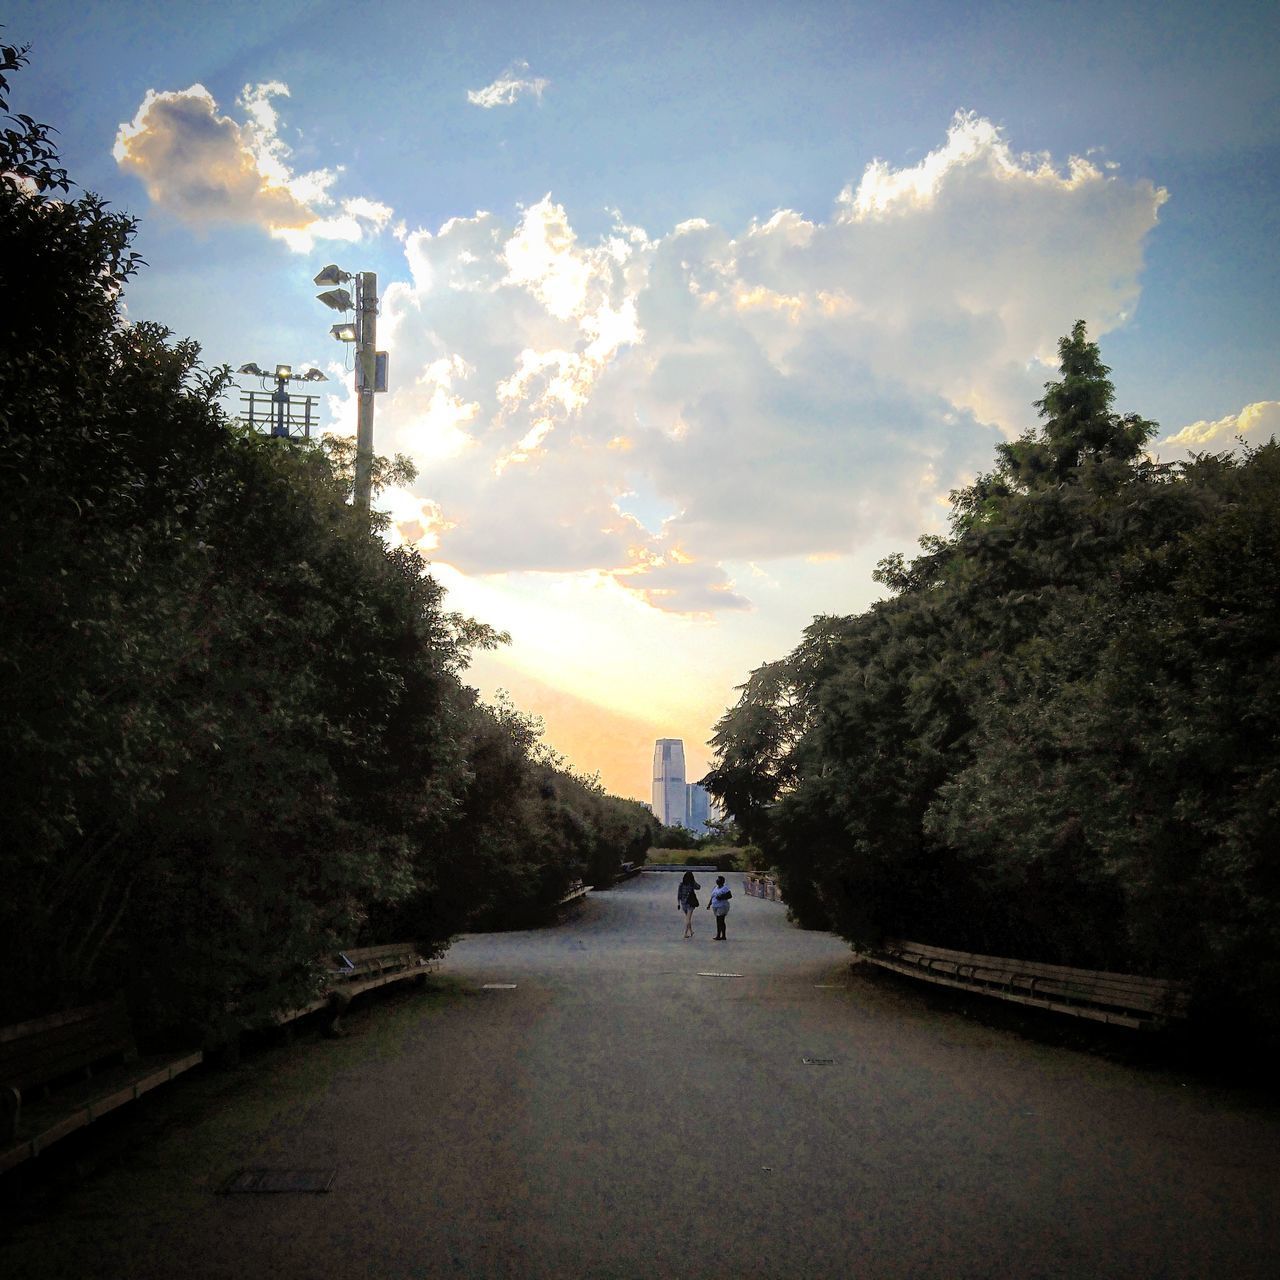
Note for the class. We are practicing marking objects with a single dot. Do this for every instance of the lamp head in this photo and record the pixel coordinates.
(333, 274)
(251, 368)
(338, 299)
(345, 332)
(283, 372)
(314, 375)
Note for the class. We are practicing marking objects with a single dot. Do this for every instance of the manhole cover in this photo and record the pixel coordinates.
(818, 1062)
(269, 1180)
(719, 975)
(498, 986)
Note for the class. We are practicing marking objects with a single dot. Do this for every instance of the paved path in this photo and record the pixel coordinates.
(616, 1114)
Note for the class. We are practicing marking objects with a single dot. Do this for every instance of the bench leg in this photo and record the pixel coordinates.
(336, 1007)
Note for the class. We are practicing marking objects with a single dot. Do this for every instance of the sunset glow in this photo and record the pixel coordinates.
(680, 348)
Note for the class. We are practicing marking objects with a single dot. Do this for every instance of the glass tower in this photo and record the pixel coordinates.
(697, 808)
(668, 781)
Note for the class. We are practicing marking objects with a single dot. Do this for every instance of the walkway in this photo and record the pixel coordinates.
(620, 1112)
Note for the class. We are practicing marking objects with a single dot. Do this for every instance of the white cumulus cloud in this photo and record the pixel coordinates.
(205, 167)
(793, 388)
(512, 84)
(1256, 423)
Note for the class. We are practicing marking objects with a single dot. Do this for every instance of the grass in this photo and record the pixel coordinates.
(722, 857)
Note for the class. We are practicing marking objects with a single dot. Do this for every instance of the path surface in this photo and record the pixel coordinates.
(616, 1114)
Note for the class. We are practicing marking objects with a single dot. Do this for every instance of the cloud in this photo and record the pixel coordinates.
(206, 168)
(1256, 423)
(677, 583)
(793, 388)
(508, 87)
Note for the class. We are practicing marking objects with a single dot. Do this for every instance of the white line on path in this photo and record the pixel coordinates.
(719, 975)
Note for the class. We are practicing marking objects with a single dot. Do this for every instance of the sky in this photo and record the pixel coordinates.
(694, 312)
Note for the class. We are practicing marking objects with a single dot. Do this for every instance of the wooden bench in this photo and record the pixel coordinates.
(357, 969)
(1122, 999)
(576, 890)
(361, 968)
(61, 1072)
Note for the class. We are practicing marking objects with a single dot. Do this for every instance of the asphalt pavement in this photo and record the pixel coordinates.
(608, 1099)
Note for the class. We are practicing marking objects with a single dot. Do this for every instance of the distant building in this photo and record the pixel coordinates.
(697, 808)
(668, 781)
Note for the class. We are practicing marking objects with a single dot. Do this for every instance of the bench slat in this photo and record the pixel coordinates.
(46, 1123)
(1111, 1016)
(51, 1049)
(1126, 999)
(369, 968)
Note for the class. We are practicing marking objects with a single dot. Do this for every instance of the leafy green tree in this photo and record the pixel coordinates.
(1056, 738)
(237, 732)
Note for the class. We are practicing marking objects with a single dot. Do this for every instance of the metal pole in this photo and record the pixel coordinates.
(280, 399)
(366, 363)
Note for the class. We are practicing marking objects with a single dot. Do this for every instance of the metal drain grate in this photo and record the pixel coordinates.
(263, 1181)
(818, 1062)
(719, 975)
(498, 986)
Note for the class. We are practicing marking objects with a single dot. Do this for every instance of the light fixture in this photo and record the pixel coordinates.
(251, 368)
(283, 372)
(363, 333)
(314, 375)
(338, 299)
(333, 274)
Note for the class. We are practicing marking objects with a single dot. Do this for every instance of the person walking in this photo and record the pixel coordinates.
(719, 904)
(687, 900)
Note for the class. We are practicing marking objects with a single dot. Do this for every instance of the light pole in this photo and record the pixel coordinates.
(280, 419)
(370, 363)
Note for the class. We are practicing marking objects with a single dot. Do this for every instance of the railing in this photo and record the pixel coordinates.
(756, 885)
(698, 868)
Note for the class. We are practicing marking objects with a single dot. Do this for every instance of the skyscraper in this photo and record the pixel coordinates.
(668, 781)
(697, 808)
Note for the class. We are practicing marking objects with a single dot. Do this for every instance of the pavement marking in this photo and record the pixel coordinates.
(718, 975)
(276, 1180)
(498, 986)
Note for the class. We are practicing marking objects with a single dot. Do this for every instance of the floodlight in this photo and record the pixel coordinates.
(333, 274)
(338, 299)
(344, 332)
(251, 368)
(283, 371)
(314, 375)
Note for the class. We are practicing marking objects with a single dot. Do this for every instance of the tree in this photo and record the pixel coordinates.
(1056, 738)
(232, 713)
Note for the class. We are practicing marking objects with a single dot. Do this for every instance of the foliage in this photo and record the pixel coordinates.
(675, 837)
(1057, 737)
(523, 827)
(237, 731)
